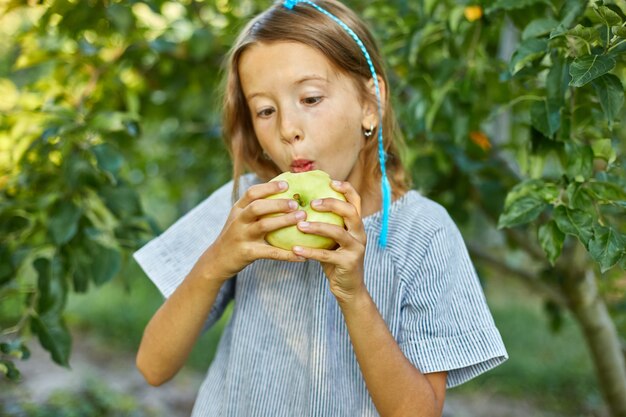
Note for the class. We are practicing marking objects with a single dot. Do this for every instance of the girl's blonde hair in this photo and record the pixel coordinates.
(308, 26)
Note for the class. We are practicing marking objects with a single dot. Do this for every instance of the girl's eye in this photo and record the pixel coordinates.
(265, 112)
(312, 100)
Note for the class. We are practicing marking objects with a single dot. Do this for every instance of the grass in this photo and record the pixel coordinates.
(553, 370)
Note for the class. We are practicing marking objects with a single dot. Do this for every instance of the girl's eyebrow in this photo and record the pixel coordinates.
(313, 77)
(302, 80)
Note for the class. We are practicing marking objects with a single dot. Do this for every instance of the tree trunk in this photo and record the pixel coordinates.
(601, 336)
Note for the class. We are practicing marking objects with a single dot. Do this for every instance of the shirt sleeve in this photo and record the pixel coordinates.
(168, 258)
(446, 323)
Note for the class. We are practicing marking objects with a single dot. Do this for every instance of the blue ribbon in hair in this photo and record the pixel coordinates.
(382, 157)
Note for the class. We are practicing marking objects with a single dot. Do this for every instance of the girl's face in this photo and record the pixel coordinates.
(306, 115)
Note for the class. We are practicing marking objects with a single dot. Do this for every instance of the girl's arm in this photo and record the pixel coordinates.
(396, 386)
(173, 330)
(175, 327)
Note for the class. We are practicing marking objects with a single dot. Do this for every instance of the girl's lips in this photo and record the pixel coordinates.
(302, 165)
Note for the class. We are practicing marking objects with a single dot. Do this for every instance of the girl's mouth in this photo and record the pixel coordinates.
(302, 165)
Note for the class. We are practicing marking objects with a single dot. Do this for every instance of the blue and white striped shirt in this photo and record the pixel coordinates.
(286, 350)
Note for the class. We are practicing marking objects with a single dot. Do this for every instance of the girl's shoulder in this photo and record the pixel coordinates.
(416, 225)
(415, 213)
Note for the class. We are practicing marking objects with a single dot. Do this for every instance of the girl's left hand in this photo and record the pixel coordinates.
(344, 265)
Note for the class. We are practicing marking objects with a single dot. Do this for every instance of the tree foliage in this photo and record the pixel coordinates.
(513, 112)
(97, 102)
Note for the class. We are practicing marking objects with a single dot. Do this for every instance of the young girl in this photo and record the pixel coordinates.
(380, 325)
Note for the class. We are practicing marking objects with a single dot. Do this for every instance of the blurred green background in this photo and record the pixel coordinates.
(110, 130)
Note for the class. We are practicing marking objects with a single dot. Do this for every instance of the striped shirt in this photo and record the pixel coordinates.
(286, 349)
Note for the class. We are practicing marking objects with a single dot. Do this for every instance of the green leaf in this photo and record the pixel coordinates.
(80, 275)
(619, 31)
(522, 211)
(606, 192)
(579, 161)
(610, 91)
(603, 148)
(526, 52)
(539, 189)
(51, 285)
(94, 262)
(79, 172)
(545, 116)
(608, 16)
(574, 222)
(558, 80)
(8, 368)
(109, 159)
(122, 201)
(578, 196)
(590, 67)
(539, 27)
(607, 247)
(7, 269)
(106, 263)
(586, 34)
(53, 336)
(63, 223)
(571, 11)
(551, 239)
(15, 222)
(558, 31)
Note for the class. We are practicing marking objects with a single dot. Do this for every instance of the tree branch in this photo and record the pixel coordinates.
(528, 278)
(525, 243)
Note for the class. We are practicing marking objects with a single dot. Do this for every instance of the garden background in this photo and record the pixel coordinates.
(512, 112)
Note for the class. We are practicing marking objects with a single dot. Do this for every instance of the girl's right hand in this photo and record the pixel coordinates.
(242, 239)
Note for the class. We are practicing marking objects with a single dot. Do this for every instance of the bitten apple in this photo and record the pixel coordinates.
(305, 187)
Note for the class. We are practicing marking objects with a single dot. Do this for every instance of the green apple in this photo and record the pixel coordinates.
(305, 187)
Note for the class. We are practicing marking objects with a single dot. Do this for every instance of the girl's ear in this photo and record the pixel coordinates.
(370, 106)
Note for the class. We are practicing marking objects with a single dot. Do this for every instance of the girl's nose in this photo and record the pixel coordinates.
(290, 130)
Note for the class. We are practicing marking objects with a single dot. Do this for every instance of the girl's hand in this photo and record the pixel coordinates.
(344, 265)
(242, 239)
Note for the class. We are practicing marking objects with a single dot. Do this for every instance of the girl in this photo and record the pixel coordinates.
(379, 326)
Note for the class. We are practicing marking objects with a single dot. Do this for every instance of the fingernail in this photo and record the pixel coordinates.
(300, 215)
(336, 183)
(303, 225)
(298, 249)
(293, 204)
(316, 203)
(282, 185)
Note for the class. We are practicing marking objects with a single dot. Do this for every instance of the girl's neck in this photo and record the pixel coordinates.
(372, 202)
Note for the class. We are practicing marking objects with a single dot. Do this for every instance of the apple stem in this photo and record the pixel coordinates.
(298, 198)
